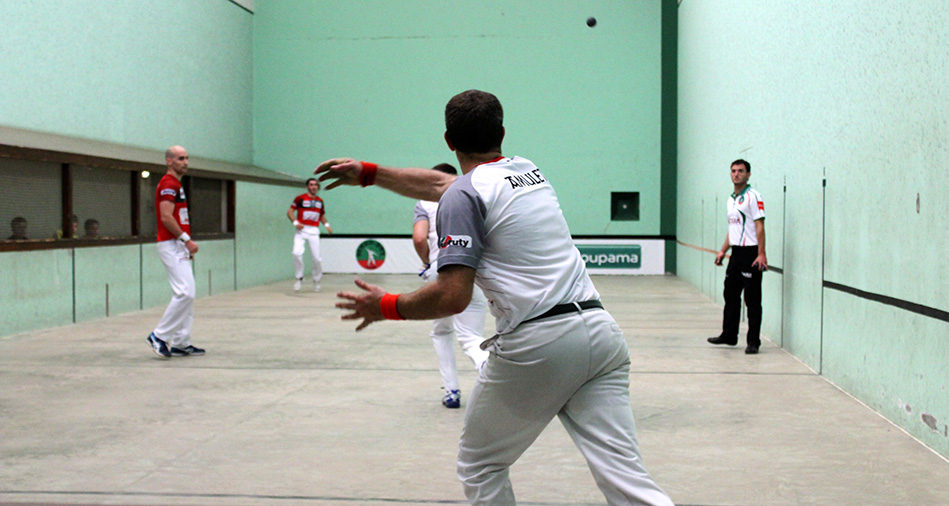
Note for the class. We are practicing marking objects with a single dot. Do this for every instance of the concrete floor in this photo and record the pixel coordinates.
(291, 407)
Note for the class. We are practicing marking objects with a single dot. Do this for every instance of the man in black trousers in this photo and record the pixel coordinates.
(748, 260)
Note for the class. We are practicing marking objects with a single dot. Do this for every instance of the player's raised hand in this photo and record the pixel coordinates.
(344, 171)
(366, 305)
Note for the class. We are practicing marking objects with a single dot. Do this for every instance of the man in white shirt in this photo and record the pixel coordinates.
(556, 352)
(748, 260)
(467, 325)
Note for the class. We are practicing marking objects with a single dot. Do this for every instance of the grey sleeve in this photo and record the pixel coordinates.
(460, 225)
(420, 213)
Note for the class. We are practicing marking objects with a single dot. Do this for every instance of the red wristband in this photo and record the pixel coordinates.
(368, 174)
(388, 307)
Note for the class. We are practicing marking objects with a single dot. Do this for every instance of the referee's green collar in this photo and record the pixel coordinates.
(747, 186)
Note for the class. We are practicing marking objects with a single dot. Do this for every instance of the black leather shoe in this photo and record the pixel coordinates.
(751, 350)
(722, 340)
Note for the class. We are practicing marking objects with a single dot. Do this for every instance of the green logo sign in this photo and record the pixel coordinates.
(370, 254)
(619, 256)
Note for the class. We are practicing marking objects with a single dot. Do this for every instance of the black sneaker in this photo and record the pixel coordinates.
(722, 340)
(158, 346)
(186, 351)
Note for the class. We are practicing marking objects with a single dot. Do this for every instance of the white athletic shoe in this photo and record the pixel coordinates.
(297, 285)
(316, 287)
(452, 399)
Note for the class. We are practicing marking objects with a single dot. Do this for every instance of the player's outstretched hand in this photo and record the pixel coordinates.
(345, 171)
(366, 305)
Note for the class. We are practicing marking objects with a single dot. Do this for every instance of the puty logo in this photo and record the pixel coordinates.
(459, 240)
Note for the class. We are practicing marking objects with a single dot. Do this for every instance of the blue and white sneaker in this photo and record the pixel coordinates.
(186, 351)
(158, 346)
(452, 399)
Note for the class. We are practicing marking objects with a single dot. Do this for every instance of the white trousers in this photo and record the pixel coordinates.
(309, 235)
(175, 325)
(468, 328)
(575, 367)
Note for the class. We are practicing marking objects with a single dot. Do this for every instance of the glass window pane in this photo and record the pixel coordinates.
(206, 206)
(102, 202)
(147, 187)
(30, 193)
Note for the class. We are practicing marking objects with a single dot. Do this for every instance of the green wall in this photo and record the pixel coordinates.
(855, 93)
(48, 288)
(265, 236)
(300, 81)
(144, 74)
(108, 280)
(370, 80)
(214, 268)
(141, 74)
(36, 291)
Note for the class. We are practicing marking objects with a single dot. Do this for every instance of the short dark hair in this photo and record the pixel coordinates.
(18, 219)
(447, 168)
(474, 122)
(90, 222)
(312, 179)
(742, 162)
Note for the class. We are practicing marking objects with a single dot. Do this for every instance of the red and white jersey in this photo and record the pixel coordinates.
(744, 209)
(309, 209)
(170, 190)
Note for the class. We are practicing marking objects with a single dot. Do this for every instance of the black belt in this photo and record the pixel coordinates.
(560, 309)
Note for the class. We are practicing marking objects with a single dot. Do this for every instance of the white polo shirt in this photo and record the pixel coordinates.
(744, 209)
(504, 220)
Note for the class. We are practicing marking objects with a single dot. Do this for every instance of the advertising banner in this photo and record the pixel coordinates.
(623, 256)
(397, 256)
(362, 255)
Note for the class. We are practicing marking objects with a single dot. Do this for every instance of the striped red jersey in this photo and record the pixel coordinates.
(309, 209)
